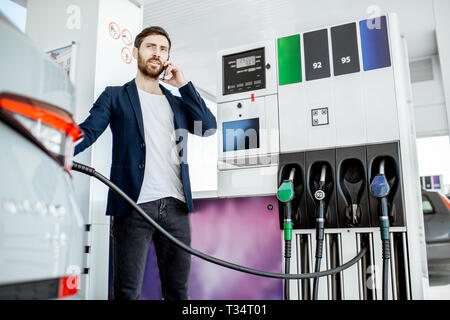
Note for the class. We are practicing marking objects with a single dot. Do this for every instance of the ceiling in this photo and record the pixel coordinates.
(198, 29)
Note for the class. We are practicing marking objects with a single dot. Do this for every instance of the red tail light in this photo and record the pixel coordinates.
(68, 286)
(53, 127)
(444, 198)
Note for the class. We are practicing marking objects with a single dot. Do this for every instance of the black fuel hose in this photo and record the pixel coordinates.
(380, 189)
(386, 248)
(287, 248)
(287, 262)
(320, 235)
(319, 195)
(91, 172)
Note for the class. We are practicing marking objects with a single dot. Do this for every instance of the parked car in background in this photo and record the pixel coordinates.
(41, 227)
(436, 214)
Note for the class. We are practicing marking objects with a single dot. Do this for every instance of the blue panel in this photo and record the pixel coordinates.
(241, 134)
(375, 43)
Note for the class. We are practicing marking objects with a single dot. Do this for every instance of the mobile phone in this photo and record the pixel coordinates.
(161, 76)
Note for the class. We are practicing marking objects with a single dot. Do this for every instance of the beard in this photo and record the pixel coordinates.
(147, 69)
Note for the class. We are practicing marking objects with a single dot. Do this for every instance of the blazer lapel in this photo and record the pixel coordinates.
(134, 98)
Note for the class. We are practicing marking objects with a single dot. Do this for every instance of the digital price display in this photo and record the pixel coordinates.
(245, 62)
(244, 71)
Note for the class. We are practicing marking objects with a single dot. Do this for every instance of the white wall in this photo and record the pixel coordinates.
(110, 70)
(429, 104)
(442, 21)
(433, 155)
(54, 24)
(47, 26)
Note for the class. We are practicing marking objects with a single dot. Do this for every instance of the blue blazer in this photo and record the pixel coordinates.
(119, 107)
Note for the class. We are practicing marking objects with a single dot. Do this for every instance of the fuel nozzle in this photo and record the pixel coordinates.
(320, 195)
(321, 182)
(380, 189)
(380, 186)
(286, 194)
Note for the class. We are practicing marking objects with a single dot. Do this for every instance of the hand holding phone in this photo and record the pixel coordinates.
(176, 76)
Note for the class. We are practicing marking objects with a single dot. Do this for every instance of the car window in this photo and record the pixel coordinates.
(426, 204)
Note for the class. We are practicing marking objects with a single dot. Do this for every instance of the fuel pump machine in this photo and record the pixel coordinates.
(334, 104)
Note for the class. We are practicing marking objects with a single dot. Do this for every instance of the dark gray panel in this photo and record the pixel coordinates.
(345, 49)
(351, 186)
(391, 154)
(317, 57)
(314, 161)
(287, 162)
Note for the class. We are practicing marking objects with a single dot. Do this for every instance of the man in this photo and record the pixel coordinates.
(148, 164)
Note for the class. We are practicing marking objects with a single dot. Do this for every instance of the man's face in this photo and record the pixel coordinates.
(152, 54)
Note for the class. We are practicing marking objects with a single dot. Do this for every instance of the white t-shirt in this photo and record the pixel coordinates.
(162, 161)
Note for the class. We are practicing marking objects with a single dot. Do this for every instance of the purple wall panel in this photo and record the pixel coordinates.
(240, 230)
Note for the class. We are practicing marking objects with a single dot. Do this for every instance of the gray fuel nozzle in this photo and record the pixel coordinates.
(320, 193)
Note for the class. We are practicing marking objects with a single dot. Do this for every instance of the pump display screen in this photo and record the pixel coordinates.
(245, 62)
(244, 71)
(240, 135)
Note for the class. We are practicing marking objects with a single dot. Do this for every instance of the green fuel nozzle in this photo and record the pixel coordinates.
(286, 194)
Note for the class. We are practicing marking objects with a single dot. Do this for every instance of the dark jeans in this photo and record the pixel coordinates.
(132, 236)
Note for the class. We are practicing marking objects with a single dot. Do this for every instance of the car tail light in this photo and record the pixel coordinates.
(444, 198)
(51, 126)
(68, 286)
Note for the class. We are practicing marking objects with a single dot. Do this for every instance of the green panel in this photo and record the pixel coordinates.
(289, 60)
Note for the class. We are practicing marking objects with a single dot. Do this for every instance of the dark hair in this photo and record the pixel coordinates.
(149, 31)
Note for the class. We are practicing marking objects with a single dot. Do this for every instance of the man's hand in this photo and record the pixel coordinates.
(177, 79)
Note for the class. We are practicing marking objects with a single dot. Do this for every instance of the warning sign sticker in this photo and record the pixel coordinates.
(126, 55)
(114, 30)
(319, 117)
(127, 37)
